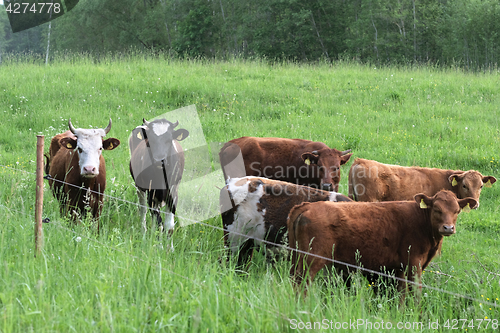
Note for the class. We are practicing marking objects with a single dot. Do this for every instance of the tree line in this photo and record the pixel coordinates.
(463, 33)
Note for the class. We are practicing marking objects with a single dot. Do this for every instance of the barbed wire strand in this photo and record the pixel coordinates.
(334, 261)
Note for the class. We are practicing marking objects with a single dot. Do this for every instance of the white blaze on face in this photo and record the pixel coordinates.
(160, 128)
(247, 219)
(89, 149)
(160, 140)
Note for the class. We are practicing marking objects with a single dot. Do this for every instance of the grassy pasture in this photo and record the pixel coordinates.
(125, 281)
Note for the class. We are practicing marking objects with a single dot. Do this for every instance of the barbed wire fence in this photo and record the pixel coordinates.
(282, 246)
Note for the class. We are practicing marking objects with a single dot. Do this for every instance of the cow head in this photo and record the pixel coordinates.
(469, 184)
(444, 208)
(89, 144)
(328, 162)
(161, 134)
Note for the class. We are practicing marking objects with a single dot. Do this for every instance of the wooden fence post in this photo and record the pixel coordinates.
(39, 195)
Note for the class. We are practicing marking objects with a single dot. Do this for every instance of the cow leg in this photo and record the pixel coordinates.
(245, 254)
(169, 227)
(402, 286)
(143, 208)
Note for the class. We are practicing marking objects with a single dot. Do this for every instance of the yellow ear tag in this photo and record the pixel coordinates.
(454, 182)
(179, 138)
(466, 209)
(110, 146)
(139, 136)
(307, 161)
(69, 145)
(422, 204)
(488, 183)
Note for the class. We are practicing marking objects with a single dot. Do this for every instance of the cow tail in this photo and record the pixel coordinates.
(293, 221)
(351, 194)
(47, 163)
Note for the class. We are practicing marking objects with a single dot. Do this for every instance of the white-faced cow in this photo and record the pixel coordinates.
(77, 169)
(396, 236)
(298, 161)
(258, 208)
(373, 181)
(156, 165)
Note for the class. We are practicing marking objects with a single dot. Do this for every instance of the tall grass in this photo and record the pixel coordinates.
(124, 280)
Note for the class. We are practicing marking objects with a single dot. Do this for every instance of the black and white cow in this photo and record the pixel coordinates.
(258, 208)
(156, 165)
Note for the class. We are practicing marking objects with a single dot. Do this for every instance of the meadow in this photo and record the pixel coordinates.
(124, 280)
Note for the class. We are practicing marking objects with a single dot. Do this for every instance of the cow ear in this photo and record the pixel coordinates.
(466, 204)
(180, 134)
(423, 200)
(68, 143)
(455, 178)
(110, 144)
(489, 180)
(345, 158)
(310, 158)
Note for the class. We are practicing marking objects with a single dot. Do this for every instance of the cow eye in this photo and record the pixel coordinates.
(80, 150)
(464, 186)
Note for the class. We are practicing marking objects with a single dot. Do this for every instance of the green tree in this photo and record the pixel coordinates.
(197, 32)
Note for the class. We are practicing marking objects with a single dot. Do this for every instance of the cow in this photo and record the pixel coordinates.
(77, 170)
(259, 208)
(156, 166)
(373, 181)
(298, 161)
(399, 237)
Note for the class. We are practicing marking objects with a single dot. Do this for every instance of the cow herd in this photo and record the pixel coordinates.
(285, 191)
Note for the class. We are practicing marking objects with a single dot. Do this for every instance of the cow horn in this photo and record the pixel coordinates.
(145, 122)
(345, 152)
(71, 127)
(174, 125)
(315, 152)
(106, 130)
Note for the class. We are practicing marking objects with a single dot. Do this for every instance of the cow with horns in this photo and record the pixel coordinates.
(76, 169)
(156, 165)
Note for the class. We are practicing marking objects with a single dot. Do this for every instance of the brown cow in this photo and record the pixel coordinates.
(259, 208)
(400, 237)
(298, 161)
(75, 161)
(373, 181)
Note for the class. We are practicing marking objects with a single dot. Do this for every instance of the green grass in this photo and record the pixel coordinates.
(123, 280)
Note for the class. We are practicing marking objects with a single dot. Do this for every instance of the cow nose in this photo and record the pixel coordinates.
(327, 187)
(89, 169)
(448, 229)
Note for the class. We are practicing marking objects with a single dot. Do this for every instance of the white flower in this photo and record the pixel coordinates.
(78, 239)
